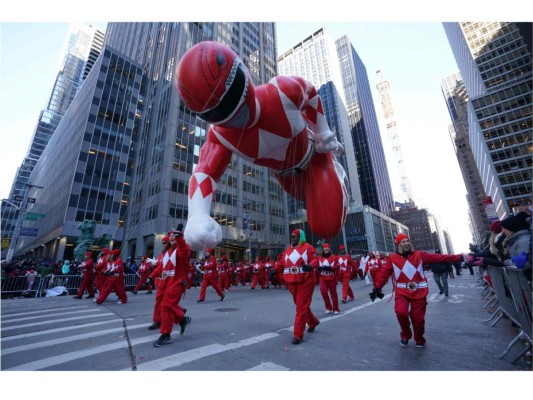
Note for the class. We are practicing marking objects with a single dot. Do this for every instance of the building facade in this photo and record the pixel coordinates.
(495, 62)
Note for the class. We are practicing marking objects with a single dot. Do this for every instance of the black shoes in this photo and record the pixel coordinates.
(77, 297)
(200, 301)
(222, 297)
(343, 301)
(163, 340)
(312, 329)
(134, 292)
(184, 324)
(154, 326)
(295, 340)
(441, 292)
(404, 342)
(90, 297)
(150, 292)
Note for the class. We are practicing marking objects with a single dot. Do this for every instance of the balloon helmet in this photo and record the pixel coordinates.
(214, 83)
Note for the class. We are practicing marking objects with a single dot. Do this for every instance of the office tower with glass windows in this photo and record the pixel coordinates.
(250, 205)
(456, 97)
(494, 59)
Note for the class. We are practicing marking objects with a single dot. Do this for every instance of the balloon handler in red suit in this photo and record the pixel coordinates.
(279, 125)
(299, 264)
(171, 273)
(411, 286)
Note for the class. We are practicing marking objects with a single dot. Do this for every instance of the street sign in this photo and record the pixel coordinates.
(28, 231)
(19, 198)
(31, 199)
(33, 216)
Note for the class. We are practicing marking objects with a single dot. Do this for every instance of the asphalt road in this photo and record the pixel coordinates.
(252, 331)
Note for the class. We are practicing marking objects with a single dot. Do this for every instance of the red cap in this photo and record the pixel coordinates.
(295, 232)
(401, 237)
(166, 238)
(115, 252)
(209, 250)
(341, 247)
(496, 227)
(144, 257)
(326, 246)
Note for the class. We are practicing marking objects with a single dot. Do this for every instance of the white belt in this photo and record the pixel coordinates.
(166, 274)
(343, 268)
(374, 266)
(412, 284)
(293, 270)
(326, 273)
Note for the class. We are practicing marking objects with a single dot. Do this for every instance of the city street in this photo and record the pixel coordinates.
(252, 331)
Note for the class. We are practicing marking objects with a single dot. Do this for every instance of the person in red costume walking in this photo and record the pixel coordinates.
(347, 268)
(172, 275)
(156, 317)
(279, 125)
(299, 263)
(328, 267)
(223, 273)
(99, 268)
(240, 274)
(258, 271)
(267, 267)
(373, 265)
(411, 286)
(87, 281)
(209, 276)
(143, 272)
(115, 278)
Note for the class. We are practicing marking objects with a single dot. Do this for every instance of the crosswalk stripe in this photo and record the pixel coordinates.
(17, 314)
(73, 338)
(268, 366)
(178, 359)
(51, 315)
(63, 358)
(57, 330)
(54, 321)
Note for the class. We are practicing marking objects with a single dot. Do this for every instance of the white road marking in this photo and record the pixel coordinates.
(53, 321)
(268, 366)
(17, 314)
(51, 315)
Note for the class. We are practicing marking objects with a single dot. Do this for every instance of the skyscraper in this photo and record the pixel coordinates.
(250, 204)
(456, 97)
(372, 169)
(494, 60)
(82, 46)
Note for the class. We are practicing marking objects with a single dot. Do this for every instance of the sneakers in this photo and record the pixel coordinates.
(184, 324)
(119, 302)
(312, 328)
(420, 345)
(404, 342)
(200, 301)
(77, 297)
(295, 340)
(335, 312)
(154, 326)
(441, 292)
(134, 291)
(222, 297)
(328, 311)
(163, 340)
(343, 301)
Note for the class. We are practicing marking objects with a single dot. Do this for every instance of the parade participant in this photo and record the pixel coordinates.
(278, 266)
(280, 125)
(87, 280)
(347, 267)
(143, 272)
(258, 271)
(373, 265)
(267, 267)
(99, 268)
(299, 263)
(223, 273)
(156, 317)
(114, 271)
(194, 268)
(410, 285)
(240, 274)
(328, 266)
(171, 273)
(232, 275)
(209, 276)
(364, 268)
(247, 272)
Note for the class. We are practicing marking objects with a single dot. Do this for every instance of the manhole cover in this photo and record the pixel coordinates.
(227, 309)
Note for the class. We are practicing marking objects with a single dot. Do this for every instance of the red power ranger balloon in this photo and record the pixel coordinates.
(279, 125)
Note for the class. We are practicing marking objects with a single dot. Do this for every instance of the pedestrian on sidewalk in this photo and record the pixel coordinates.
(410, 287)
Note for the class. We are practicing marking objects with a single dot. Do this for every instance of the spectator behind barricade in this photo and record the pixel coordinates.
(31, 275)
(65, 269)
(517, 245)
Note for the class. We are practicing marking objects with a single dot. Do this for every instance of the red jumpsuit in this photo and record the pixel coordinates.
(87, 281)
(247, 272)
(258, 271)
(99, 269)
(209, 277)
(114, 281)
(240, 275)
(347, 267)
(267, 271)
(223, 275)
(373, 265)
(171, 274)
(328, 266)
(411, 287)
(301, 284)
(144, 273)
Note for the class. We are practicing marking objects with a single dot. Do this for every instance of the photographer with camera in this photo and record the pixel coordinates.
(299, 263)
(411, 286)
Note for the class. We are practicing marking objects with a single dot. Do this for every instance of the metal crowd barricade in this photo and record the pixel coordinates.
(502, 290)
(521, 293)
(18, 286)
